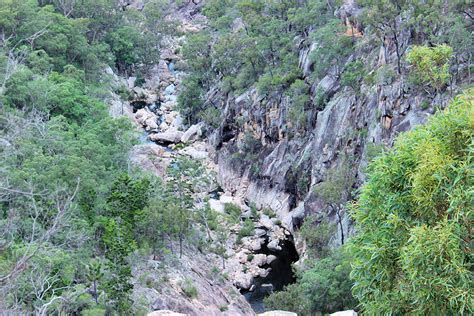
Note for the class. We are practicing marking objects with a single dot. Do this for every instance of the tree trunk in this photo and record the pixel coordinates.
(397, 48)
(95, 292)
(180, 246)
(339, 219)
(171, 244)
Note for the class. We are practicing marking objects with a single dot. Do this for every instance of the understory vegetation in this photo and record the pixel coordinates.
(256, 44)
(71, 211)
(75, 216)
(412, 251)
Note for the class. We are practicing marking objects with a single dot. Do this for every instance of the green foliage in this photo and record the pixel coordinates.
(123, 41)
(385, 75)
(261, 51)
(320, 99)
(412, 251)
(125, 204)
(247, 229)
(94, 311)
(325, 287)
(317, 232)
(292, 298)
(212, 116)
(335, 190)
(62, 147)
(353, 75)
(333, 48)
(269, 212)
(373, 150)
(191, 99)
(223, 308)
(430, 64)
(189, 288)
(299, 93)
(233, 211)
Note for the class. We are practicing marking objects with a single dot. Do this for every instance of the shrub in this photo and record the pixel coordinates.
(385, 75)
(323, 288)
(373, 150)
(424, 105)
(223, 308)
(247, 228)
(211, 116)
(327, 285)
(317, 233)
(320, 99)
(430, 65)
(269, 212)
(254, 211)
(189, 288)
(412, 253)
(353, 75)
(95, 311)
(299, 99)
(233, 211)
(332, 49)
(291, 299)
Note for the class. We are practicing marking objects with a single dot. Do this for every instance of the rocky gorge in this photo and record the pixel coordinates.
(255, 265)
(278, 187)
(236, 157)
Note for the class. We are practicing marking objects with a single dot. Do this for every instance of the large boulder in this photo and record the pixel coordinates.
(165, 75)
(243, 280)
(194, 153)
(168, 137)
(165, 312)
(344, 313)
(146, 118)
(170, 89)
(274, 245)
(150, 157)
(277, 313)
(192, 133)
(216, 205)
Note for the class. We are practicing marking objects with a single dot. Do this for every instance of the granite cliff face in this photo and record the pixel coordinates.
(270, 169)
(289, 165)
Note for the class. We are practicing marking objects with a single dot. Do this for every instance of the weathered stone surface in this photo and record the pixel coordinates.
(169, 136)
(170, 89)
(165, 312)
(146, 118)
(259, 259)
(260, 232)
(277, 313)
(243, 280)
(216, 205)
(192, 133)
(166, 77)
(194, 153)
(274, 245)
(150, 157)
(271, 258)
(344, 313)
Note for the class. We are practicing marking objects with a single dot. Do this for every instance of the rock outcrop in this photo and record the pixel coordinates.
(290, 164)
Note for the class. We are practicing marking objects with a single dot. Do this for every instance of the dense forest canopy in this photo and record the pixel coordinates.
(74, 215)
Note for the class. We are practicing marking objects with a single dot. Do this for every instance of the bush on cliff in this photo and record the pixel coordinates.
(413, 250)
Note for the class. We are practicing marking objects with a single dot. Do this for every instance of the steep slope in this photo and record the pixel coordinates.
(268, 163)
(288, 165)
